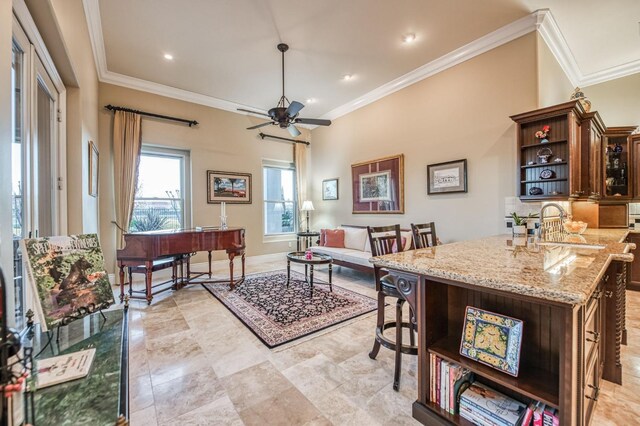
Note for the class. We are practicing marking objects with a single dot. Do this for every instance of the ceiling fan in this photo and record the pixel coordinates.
(283, 115)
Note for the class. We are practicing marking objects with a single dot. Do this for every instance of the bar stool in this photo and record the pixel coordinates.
(385, 240)
(424, 235)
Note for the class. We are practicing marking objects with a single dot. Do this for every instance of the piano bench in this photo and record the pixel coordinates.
(172, 262)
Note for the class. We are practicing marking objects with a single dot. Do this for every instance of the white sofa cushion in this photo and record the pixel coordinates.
(355, 238)
(346, 255)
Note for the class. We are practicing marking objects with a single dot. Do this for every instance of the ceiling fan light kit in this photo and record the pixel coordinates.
(285, 113)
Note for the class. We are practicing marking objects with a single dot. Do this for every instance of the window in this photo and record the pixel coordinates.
(162, 198)
(280, 205)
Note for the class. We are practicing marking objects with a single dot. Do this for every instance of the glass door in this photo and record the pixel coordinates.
(34, 148)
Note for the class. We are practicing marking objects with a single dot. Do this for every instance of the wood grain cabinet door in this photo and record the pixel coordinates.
(634, 143)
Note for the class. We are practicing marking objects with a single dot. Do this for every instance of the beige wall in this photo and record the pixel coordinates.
(219, 142)
(462, 112)
(82, 115)
(618, 101)
(554, 86)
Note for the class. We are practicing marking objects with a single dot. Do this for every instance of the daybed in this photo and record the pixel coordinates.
(356, 251)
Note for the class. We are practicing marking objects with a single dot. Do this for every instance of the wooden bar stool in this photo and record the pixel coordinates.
(424, 235)
(385, 240)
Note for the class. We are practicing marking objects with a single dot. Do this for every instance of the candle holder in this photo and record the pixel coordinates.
(223, 222)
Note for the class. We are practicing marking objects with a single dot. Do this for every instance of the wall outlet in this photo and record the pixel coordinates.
(289, 244)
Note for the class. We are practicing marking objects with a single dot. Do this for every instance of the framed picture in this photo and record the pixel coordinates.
(93, 169)
(378, 186)
(446, 178)
(230, 187)
(330, 189)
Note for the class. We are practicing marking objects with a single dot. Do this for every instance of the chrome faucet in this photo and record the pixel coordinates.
(541, 229)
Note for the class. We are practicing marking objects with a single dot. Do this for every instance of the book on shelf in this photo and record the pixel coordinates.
(550, 417)
(528, 415)
(493, 404)
(478, 417)
(447, 381)
(64, 368)
(537, 414)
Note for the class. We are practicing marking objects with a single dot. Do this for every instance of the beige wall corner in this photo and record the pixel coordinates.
(65, 20)
(618, 101)
(554, 86)
(219, 142)
(462, 112)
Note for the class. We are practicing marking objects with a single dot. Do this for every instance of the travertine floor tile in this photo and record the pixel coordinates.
(192, 362)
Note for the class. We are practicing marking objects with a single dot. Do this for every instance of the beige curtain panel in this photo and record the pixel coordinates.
(127, 143)
(300, 161)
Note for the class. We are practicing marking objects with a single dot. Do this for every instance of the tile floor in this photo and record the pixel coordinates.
(193, 363)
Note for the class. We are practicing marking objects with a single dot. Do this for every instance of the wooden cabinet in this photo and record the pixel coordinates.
(556, 166)
(634, 143)
(591, 141)
(617, 175)
(634, 268)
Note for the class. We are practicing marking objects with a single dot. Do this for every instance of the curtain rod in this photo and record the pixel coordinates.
(150, 114)
(263, 135)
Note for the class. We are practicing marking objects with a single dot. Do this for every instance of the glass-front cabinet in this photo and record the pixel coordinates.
(618, 161)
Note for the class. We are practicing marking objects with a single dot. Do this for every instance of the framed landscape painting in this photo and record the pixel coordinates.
(228, 187)
(378, 186)
(330, 189)
(446, 178)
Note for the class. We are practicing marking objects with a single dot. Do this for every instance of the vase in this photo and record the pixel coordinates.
(519, 229)
(544, 140)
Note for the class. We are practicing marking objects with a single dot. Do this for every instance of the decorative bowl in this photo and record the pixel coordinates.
(574, 227)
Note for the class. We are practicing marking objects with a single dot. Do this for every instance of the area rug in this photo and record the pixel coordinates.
(278, 315)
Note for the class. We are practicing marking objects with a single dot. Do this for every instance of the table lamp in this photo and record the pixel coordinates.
(307, 206)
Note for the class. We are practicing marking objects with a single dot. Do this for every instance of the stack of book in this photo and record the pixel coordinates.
(454, 389)
(448, 382)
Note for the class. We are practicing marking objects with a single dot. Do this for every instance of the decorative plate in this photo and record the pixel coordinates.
(492, 339)
(547, 174)
(534, 190)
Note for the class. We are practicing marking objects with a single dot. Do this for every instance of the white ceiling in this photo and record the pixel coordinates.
(226, 49)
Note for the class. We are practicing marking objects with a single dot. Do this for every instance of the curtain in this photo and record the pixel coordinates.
(126, 158)
(300, 161)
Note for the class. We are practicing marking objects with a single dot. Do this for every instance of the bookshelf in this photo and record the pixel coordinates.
(562, 144)
(532, 383)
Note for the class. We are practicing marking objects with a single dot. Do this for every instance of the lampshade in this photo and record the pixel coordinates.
(306, 206)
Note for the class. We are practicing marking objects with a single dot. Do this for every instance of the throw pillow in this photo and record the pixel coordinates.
(394, 247)
(334, 238)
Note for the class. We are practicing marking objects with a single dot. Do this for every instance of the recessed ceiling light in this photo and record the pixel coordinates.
(311, 101)
(168, 56)
(347, 77)
(409, 38)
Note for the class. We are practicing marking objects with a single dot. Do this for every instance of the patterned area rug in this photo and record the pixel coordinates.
(278, 315)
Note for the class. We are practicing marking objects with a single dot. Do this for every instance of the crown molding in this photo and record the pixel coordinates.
(540, 20)
(477, 47)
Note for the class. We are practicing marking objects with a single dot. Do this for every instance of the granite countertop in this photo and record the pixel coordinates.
(547, 270)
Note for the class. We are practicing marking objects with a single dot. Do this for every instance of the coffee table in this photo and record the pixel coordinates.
(316, 259)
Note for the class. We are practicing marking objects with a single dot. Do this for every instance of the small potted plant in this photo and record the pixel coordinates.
(520, 223)
(542, 134)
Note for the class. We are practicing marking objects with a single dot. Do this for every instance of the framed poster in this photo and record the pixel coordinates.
(446, 178)
(330, 189)
(230, 187)
(378, 186)
(93, 169)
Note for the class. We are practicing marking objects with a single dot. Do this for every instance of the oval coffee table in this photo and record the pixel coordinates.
(316, 259)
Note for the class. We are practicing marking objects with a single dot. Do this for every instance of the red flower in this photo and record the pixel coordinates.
(546, 128)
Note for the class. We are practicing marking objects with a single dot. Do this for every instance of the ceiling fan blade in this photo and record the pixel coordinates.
(253, 112)
(293, 130)
(257, 126)
(294, 108)
(314, 121)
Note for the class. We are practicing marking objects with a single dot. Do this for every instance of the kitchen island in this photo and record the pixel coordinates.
(570, 297)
